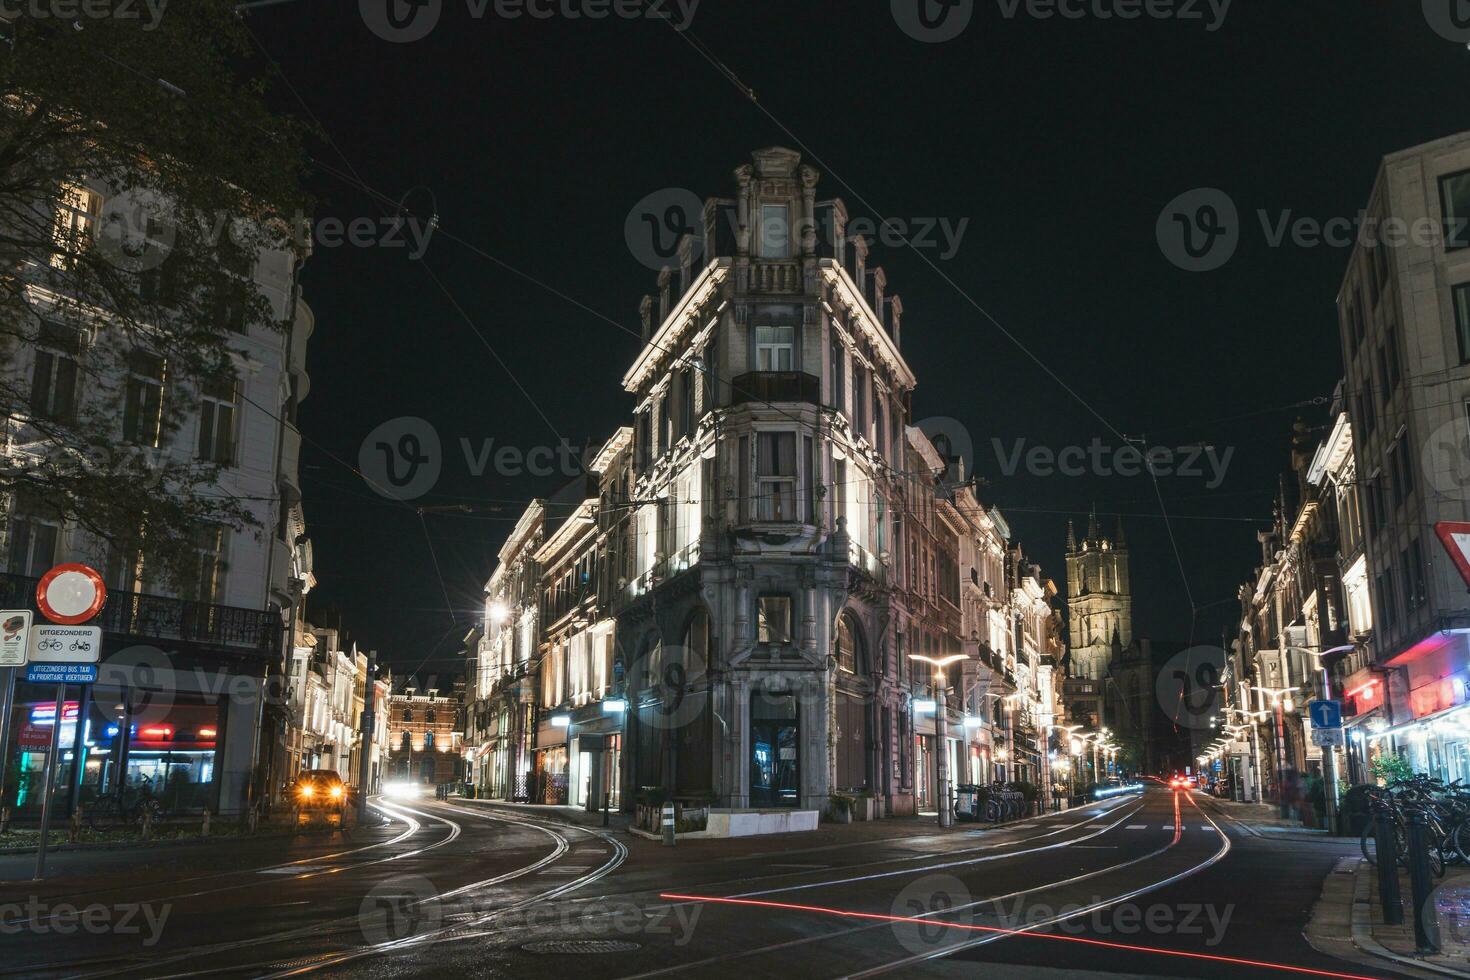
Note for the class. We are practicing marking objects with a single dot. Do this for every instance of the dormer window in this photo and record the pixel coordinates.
(775, 348)
(775, 231)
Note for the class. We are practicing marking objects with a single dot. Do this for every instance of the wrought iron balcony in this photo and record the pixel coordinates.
(141, 617)
(777, 386)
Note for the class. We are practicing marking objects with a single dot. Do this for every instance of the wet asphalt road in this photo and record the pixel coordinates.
(457, 890)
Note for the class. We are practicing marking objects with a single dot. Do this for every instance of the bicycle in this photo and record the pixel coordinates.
(130, 806)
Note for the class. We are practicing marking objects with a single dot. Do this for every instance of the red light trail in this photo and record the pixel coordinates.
(1000, 930)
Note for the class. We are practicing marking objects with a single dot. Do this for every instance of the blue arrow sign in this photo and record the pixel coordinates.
(52, 673)
(1325, 714)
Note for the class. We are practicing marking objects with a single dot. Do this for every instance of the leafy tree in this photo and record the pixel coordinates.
(141, 171)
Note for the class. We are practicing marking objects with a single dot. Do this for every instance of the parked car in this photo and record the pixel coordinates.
(319, 789)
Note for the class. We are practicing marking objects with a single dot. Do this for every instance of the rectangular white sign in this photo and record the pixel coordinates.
(65, 644)
(15, 625)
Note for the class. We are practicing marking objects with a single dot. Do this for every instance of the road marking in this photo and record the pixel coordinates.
(1136, 826)
(1208, 829)
(292, 871)
(571, 869)
(1168, 826)
(819, 867)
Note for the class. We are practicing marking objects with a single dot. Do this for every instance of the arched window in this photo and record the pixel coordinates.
(408, 714)
(429, 716)
(846, 644)
(428, 741)
(407, 742)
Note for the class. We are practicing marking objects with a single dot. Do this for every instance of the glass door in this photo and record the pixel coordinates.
(775, 772)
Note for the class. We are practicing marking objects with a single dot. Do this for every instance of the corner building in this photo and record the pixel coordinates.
(759, 624)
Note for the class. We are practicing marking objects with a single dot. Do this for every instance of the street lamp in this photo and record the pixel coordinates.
(941, 730)
(1281, 702)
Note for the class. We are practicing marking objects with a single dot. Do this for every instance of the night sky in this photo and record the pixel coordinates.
(1060, 141)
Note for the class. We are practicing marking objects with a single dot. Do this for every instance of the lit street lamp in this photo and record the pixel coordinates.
(941, 731)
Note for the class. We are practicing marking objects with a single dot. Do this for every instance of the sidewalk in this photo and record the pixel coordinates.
(1348, 922)
(1262, 820)
(566, 814)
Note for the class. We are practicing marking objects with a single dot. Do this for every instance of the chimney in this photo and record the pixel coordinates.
(877, 281)
(664, 275)
(892, 318)
(645, 313)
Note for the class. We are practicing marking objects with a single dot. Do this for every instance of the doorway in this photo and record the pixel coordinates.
(775, 771)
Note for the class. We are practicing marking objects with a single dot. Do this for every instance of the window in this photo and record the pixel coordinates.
(1388, 605)
(428, 741)
(77, 212)
(838, 361)
(1405, 465)
(775, 348)
(1454, 199)
(143, 407)
(775, 232)
(773, 619)
(859, 399)
(32, 543)
(429, 716)
(217, 422)
(775, 469)
(54, 376)
(407, 716)
(1416, 593)
(1461, 301)
(208, 583)
(407, 739)
(233, 297)
(846, 645)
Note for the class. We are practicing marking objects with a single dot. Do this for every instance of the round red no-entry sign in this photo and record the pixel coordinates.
(70, 594)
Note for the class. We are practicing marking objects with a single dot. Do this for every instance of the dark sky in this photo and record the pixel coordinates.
(1060, 141)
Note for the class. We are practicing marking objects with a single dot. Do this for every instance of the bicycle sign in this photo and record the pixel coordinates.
(65, 644)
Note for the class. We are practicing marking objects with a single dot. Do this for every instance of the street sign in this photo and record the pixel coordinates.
(70, 594)
(1328, 737)
(15, 625)
(1455, 536)
(65, 644)
(61, 673)
(1325, 714)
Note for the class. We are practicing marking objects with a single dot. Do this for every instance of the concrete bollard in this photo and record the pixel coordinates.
(4, 820)
(147, 823)
(204, 828)
(74, 830)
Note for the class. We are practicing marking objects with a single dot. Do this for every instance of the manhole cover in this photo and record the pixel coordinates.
(581, 946)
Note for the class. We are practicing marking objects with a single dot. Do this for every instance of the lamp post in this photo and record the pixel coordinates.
(1329, 752)
(941, 731)
(1282, 701)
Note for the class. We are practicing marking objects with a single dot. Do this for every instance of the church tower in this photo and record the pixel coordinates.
(1099, 599)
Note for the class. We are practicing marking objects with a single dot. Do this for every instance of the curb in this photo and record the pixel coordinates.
(1362, 928)
(553, 816)
(164, 842)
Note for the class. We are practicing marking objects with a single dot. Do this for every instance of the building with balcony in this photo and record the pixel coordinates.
(202, 662)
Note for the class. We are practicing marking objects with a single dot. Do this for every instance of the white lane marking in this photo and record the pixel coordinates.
(1136, 826)
(290, 871)
(1168, 826)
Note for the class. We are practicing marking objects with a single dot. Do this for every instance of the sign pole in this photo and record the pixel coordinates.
(7, 702)
(46, 787)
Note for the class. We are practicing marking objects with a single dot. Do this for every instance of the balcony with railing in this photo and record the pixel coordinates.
(139, 617)
(776, 386)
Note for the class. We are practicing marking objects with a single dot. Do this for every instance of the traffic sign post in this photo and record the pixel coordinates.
(61, 654)
(1325, 713)
(15, 628)
(1455, 536)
